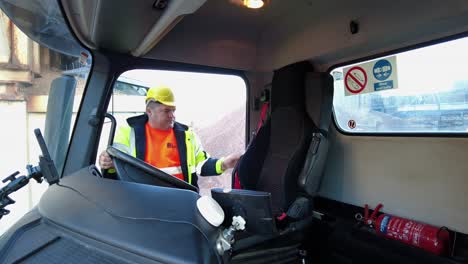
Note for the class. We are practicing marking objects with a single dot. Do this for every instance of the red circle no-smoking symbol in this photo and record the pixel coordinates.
(355, 80)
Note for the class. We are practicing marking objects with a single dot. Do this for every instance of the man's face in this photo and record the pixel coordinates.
(161, 116)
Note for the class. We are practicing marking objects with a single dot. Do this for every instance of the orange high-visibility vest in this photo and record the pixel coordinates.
(161, 151)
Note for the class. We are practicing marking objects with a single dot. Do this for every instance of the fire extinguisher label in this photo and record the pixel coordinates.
(384, 224)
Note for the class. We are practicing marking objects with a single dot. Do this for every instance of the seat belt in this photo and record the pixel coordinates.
(264, 115)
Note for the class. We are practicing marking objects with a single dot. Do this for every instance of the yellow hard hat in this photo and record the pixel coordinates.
(161, 94)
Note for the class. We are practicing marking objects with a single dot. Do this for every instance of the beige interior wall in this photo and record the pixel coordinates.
(422, 178)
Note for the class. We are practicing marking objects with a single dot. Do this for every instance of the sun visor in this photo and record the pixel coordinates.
(48, 26)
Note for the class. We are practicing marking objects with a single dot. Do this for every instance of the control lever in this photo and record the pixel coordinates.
(46, 170)
(226, 239)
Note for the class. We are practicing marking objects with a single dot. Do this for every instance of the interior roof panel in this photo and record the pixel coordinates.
(225, 35)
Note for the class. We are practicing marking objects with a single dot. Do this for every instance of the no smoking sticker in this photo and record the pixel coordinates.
(352, 124)
(372, 76)
(355, 80)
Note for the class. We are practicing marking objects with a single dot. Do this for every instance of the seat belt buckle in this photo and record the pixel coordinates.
(315, 142)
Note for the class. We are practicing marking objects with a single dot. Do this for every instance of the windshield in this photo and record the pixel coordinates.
(43, 71)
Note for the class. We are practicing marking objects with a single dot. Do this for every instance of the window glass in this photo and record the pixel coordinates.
(428, 92)
(213, 105)
(41, 87)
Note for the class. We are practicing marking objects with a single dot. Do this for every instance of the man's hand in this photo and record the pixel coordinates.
(105, 161)
(230, 161)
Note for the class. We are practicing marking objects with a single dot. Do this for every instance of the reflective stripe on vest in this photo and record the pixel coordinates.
(199, 167)
(122, 148)
(133, 142)
(172, 170)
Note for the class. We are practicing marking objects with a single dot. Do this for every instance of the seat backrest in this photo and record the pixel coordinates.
(274, 161)
(290, 136)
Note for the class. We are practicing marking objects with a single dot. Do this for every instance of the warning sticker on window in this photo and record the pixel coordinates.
(371, 76)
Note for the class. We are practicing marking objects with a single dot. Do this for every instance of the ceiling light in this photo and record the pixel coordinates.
(253, 3)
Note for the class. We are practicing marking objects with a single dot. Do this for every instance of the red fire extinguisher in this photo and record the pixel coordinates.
(424, 236)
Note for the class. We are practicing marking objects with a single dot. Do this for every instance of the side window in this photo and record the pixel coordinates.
(40, 87)
(213, 105)
(418, 91)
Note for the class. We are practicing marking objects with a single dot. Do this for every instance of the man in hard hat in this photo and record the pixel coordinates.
(159, 140)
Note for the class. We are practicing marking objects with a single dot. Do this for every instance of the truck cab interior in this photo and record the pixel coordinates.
(307, 172)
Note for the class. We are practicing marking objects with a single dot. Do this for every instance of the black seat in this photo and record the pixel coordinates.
(286, 159)
(287, 156)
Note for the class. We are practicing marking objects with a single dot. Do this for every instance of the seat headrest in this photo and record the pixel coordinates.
(319, 99)
(287, 86)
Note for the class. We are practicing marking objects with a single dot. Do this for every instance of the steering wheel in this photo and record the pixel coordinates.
(132, 169)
